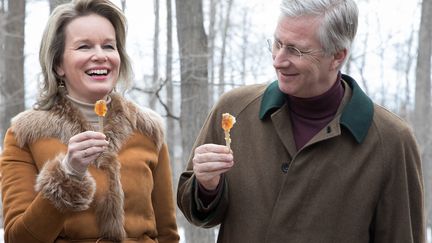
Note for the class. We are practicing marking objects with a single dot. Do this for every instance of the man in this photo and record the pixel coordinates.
(313, 159)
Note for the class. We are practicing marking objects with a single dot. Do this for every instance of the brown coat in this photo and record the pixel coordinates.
(125, 196)
(358, 180)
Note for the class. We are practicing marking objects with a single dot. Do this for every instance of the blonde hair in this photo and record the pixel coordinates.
(53, 44)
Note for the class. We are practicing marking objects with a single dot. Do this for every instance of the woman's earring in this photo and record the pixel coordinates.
(62, 86)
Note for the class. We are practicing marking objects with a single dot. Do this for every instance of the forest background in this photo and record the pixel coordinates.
(186, 53)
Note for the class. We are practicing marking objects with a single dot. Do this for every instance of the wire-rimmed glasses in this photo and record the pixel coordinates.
(274, 46)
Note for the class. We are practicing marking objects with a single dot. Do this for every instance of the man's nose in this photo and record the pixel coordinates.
(281, 58)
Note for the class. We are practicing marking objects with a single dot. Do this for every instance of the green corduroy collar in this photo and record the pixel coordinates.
(356, 115)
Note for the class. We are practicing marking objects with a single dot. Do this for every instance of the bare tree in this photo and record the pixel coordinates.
(123, 5)
(173, 130)
(403, 65)
(194, 86)
(244, 45)
(359, 61)
(2, 78)
(2, 52)
(12, 88)
(226, 25)
(54, 3)
(211, 47)
(169, 84)
(155, 76)
(422, 111)
(405, 111)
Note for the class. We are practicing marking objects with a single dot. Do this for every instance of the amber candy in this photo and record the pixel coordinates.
(100, 108)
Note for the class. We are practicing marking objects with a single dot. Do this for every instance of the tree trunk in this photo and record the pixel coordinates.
(194, 87)
(408, 59)
(123, 5)
(362, 64)
(155, 77)
(172, 126)
(2, 83)
(244, 46)
(422, 112)
(223, 50)
(13, 86)
(169, 88)
(211, 49)
(54, 3)
(2, 61)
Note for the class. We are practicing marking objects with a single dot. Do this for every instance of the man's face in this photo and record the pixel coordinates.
(309, 73)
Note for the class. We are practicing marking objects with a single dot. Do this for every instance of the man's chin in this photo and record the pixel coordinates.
(285, 87)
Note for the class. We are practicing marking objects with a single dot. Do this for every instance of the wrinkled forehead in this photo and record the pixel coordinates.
(300, 31)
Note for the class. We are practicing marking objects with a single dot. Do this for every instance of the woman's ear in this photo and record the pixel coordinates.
(338, 59)
(59, 70)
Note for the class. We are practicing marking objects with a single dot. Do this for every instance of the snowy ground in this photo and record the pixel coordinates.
(429, 235)
(181, 231)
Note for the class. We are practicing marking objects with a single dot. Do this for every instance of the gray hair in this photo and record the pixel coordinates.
(339, 25)
(53, 45)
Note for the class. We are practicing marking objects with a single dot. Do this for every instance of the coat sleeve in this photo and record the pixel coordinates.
(400, 215)
(163, 201)
(35, 212)
(187, 196)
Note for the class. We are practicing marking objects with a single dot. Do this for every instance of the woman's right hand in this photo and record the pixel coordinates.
(83, 149)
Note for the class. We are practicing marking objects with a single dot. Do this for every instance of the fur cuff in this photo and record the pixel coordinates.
(63, 190)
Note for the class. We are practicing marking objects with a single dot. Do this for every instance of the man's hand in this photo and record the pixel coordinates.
(209, 162)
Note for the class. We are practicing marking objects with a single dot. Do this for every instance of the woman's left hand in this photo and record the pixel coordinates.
(83, 149)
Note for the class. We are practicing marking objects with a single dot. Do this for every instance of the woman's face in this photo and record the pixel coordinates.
(91, 62)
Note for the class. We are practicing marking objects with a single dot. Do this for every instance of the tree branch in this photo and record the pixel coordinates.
(158, 96)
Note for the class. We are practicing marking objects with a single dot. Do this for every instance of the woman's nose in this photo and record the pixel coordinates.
(99, 55)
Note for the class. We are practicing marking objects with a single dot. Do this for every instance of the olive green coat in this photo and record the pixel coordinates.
(359, 180)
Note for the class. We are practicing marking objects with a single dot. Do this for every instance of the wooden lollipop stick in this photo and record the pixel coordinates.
(227, 123)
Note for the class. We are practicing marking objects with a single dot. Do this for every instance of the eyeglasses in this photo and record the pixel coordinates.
(275, 46)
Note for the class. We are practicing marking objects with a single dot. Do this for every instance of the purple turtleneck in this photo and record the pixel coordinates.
(310, 115)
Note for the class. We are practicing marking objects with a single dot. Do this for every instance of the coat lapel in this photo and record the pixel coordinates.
(282, 124)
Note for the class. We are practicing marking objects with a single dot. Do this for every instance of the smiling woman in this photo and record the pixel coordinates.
(93, 181)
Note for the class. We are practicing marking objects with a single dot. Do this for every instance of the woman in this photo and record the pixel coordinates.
(62, 181)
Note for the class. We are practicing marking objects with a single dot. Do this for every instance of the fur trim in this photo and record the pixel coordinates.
(145, 120)
(107, 208)
(148, 121)
(63, 190)
(32, 125)
(63, 121)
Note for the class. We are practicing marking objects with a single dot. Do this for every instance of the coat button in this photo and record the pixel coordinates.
(284, 167)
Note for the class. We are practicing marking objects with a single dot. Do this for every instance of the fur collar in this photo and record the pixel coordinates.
(63, 121)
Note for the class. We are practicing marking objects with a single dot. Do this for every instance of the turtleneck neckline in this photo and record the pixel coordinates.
(318, 107)
(87, 110)
(310, 115)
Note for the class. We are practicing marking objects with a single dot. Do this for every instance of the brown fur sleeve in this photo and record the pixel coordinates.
(66, 192)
